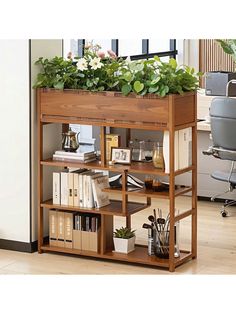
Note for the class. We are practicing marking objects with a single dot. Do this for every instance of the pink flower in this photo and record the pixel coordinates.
(112, 54)
(101, 54)
(69, 55)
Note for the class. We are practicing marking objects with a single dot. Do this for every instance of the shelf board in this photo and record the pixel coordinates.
(135, 167)
(149, 193)
(138, 256)
(115, 208)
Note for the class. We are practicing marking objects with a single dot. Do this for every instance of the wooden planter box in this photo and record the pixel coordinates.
(107, 108)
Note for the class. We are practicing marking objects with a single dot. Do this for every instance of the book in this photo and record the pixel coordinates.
(60, 229)
(166, 151)
(56, 188)
(116, 181)
(112, 140)
(79, 159)
(89, 198)
(74, 154)
(68, 226)
(64, 189)
(185, 148)
(53, 227)
(81, 187)
(100, 198)
(70, 189)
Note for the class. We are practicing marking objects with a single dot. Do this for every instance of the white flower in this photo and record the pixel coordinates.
(95, 63)
(82, 64)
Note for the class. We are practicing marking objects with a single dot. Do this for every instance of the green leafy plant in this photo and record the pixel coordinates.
(229, 47)
(97, 72)
(124, 233)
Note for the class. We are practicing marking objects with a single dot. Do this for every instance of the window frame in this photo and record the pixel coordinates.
(172, 53)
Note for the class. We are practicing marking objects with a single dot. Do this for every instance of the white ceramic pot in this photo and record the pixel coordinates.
(124, 245)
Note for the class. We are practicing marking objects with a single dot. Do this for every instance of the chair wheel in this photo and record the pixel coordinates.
(224, 214)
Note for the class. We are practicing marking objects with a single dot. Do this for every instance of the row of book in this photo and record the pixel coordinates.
(64, 233)
(81, 188)
(82, 157)
(86, 222)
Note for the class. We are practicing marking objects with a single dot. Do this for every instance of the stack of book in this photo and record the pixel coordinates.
(81, 188)
(82, 157)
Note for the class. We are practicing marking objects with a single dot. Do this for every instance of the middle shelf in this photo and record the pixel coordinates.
(114, 208)
(134, 167)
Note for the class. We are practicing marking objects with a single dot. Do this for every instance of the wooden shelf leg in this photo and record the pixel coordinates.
(106, 233)
(128, 221)
(103, 145)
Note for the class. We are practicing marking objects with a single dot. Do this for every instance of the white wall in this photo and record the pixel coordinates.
(18, 138)
(47, 48)
(14, 140)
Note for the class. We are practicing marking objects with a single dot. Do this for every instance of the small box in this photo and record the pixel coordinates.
(216, 83)
(85, 240)
(77, 239)
(93, 241)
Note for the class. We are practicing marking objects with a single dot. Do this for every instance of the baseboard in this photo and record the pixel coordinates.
(19, 246)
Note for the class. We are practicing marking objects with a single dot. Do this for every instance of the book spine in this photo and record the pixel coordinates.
(90, 199)
(68, 225)
(60, 229)
(80, 190)
(71, 188)
(76, 189)
(53, 227)
(56, 188)
(64, 189)
(95, 199)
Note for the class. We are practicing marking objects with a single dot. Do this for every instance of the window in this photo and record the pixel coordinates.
(134, 48)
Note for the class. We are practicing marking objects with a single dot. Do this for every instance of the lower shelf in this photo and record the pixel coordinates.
(139, 256)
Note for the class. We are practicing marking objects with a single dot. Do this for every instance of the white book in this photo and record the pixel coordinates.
(166, 151)
(185, 145)
(73, 158)
(76, 173)
(81, 188)
(56, 188)
(71, 188)
(75, 154)
(89, 193)
(64, 188)
(76, 189)
(100, 198)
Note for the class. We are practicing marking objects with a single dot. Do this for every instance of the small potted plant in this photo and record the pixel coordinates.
(124, 240)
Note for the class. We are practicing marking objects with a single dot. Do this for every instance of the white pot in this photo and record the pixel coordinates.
(124, 245)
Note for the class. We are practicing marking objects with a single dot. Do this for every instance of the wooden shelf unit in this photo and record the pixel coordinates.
(171, 113)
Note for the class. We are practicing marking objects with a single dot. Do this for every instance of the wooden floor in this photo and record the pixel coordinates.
(216, 248)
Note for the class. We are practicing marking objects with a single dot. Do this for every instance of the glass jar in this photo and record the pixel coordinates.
(157, 157)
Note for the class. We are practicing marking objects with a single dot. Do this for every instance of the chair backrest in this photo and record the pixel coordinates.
(223, 122)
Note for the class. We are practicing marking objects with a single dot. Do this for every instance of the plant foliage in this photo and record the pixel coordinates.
(229, 47)
(109, 73)
(124, 233)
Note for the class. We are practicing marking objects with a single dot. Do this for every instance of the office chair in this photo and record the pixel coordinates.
(223, 131)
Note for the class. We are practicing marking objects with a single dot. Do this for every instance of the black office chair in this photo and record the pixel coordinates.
(223, 131)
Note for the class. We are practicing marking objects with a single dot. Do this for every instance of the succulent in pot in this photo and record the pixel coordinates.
(124, 240)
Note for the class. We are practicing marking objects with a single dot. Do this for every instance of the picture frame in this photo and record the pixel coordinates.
(121, 155)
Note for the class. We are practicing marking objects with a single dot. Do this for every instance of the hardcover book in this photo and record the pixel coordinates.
(100, 198)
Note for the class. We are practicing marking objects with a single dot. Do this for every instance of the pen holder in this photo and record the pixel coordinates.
(162, 244)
